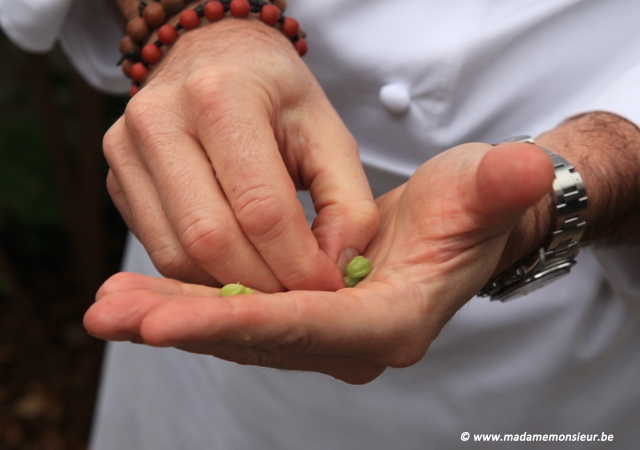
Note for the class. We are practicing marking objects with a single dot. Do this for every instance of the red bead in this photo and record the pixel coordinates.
(301, 46)
(134, 90)
(213, 11)
(167, 34)
(290, 27)
(269, 14)
(239, 8)
(138, 30)
(139, 72)
(189, 19)
(151, 53)
(154, 15)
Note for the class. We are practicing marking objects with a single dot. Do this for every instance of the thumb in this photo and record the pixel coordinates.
(510, 178)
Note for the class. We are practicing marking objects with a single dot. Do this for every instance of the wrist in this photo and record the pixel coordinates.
(528, 235)
(556, 255)
(150, 36)
(605, 149)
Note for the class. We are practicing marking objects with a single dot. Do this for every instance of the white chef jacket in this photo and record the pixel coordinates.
(411, 78)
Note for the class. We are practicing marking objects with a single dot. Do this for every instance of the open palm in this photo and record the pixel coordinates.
(441, 236)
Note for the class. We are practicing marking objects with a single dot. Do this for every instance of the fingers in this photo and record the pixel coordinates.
(206, 189)
(297, 322)
(189, 196)
(127, 281)
(126, 301)
(241, 145)
(119, 199)
(117, 320)
(347, 216)
(163, 312)
(134, 194)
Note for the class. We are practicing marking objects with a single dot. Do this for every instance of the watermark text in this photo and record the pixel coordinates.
(537, 437)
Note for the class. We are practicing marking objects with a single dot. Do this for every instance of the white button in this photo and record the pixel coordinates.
(395, 97)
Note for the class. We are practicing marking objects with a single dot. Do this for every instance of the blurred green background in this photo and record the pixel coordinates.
(60, 238)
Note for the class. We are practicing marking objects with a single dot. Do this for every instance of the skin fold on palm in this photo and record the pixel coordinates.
(441, 236)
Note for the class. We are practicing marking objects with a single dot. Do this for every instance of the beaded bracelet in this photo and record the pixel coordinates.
(135, 60)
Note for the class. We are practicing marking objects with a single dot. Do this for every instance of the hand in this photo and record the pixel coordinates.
(206, 160)
(441, 237)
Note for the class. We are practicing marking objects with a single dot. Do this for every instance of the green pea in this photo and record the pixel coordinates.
(358, 267)
(351, 282)
(234, 289)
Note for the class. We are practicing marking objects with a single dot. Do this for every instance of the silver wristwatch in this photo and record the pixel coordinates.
(557, 256)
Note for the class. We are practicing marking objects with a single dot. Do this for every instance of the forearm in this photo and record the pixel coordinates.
(605, 150)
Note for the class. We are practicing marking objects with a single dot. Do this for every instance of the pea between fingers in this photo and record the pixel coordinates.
(357, 269)
(234, 289)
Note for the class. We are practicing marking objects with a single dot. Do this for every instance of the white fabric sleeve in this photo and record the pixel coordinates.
(622, 97)
(90, 37)
(621, 266)
(33, 25)
(89, 32)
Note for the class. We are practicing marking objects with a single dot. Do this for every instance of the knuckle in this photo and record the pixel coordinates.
(259, 212)
(140, 106)
(368, 216)
(152, 123)
(112, 185)
(206, 238)
(302, 273)
(362, 216)
(170, 260)
(219, 97)
(211, 88)
(139, 113)
(170, 265)
(113, 144)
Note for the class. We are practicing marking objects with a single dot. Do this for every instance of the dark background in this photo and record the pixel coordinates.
(60, 238)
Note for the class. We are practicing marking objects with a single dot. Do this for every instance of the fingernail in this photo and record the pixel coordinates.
(347, 255)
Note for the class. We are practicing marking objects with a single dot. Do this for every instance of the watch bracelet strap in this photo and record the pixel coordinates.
(571, 204)
(563, 241)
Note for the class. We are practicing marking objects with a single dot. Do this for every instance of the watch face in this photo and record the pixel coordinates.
(535, 282)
